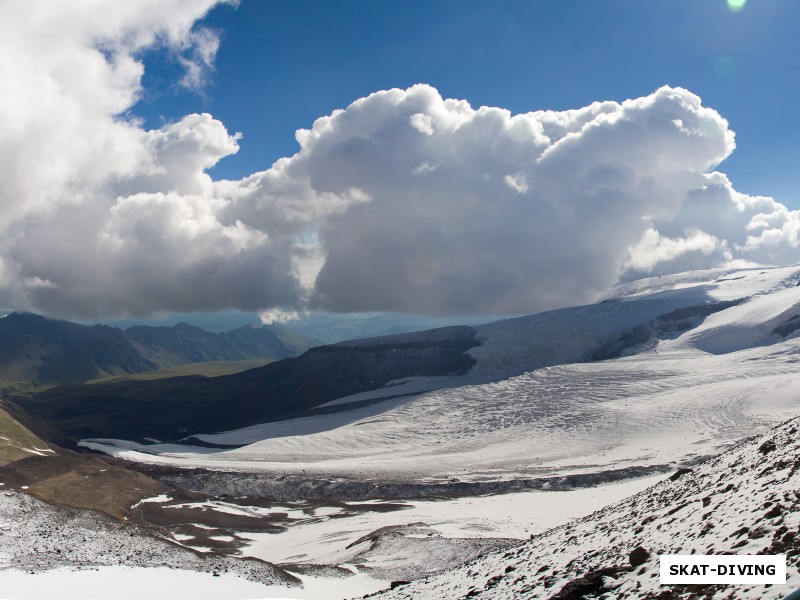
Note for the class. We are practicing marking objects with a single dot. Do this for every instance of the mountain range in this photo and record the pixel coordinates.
(36, 350)
(662, 372)
(174, 408)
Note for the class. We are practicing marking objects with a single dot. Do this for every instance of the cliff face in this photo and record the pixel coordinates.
(350, 367)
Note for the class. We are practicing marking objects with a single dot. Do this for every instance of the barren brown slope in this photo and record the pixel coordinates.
(59, 476)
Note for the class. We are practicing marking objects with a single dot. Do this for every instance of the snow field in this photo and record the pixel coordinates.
(516, 515)
(725, 378)
(126, 583)
(578, 418)
(530, 408)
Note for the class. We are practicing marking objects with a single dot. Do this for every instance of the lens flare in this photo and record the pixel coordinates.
(724, 66)
(736, 5)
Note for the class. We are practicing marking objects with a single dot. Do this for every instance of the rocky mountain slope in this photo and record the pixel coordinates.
(176, 408)
(60, 509)
(53, 474)
(36, 350)
(745, 501)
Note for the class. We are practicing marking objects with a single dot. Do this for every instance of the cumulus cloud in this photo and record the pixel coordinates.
(99, 216)
(478, 210)
(718, 226)
(655, 250)
(403, 201)
(522, 212)
(278, 316)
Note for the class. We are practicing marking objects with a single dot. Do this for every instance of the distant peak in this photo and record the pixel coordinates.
(29, 316)
(250, 326)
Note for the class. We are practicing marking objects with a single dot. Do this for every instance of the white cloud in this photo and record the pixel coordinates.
(517, 182)
(402, 201)
(422, 123)
(522, 213)
(278, 316)
(200, 47)
(424, 168)
(753, 229)
(97, 215)
(655, 250)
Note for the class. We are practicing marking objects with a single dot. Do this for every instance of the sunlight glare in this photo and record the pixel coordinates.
(736, 5)
(724, 66)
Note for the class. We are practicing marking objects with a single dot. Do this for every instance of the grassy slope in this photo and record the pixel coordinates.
(80, 481)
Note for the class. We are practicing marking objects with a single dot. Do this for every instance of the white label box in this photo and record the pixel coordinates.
(718, 568)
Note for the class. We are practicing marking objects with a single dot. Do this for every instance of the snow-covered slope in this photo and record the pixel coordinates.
(705, 359)
(581, 333)
(745, 501)
(663, 373)
(649, 409)
(362, 533)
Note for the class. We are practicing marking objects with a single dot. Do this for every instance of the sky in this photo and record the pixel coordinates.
(441, 158)
(280, 65)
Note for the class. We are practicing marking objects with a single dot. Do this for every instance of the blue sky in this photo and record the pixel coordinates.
(454, 158)
(281, 65)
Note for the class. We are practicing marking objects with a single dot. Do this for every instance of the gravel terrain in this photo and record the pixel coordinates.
(35, 537)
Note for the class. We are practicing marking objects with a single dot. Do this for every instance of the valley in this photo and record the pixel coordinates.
(393, 459)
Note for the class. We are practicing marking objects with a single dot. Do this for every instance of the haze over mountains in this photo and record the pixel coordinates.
(328, 328)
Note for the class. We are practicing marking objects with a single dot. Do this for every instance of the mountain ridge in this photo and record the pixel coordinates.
(37, 350)
(535, 402)
(488, 352)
